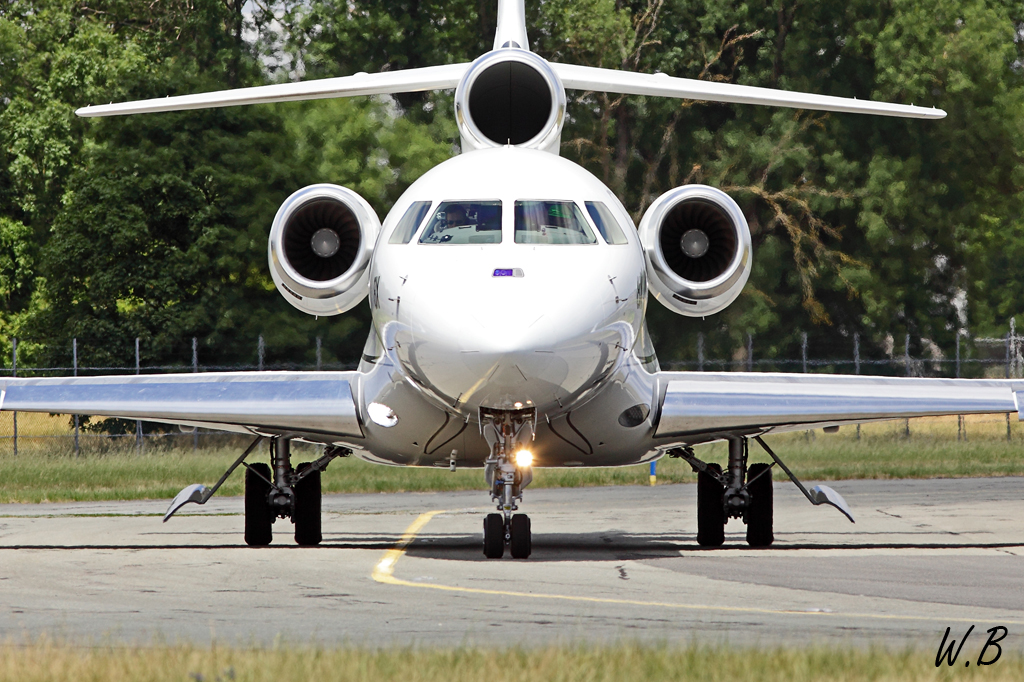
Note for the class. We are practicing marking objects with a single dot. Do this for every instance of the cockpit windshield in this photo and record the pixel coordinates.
(464, 222)
(551, 222)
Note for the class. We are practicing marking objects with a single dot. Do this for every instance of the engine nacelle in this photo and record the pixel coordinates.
(698, 250)
(510, 97)
(320, 247)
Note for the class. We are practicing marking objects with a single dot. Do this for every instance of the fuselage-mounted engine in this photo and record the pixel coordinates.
(320, 247)
(510, 97)
(698, 250)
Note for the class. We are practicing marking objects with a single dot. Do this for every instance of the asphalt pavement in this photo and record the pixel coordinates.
(608, 564)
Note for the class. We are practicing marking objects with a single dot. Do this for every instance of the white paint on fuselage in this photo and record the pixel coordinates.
(471, 339)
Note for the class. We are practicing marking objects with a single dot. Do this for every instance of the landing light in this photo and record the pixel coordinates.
(524, 458)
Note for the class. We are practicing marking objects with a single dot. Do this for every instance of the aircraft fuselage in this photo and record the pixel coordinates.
(507, 293)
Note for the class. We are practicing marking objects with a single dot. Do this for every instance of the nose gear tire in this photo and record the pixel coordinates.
(710, 509)
(307, 508)
(521, 543)
(259, 518)
(759, 513)
(494, 536)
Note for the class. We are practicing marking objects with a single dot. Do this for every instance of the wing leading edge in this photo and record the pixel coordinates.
(384, 83)
(260, 402)
(662, 85)
(723, 402)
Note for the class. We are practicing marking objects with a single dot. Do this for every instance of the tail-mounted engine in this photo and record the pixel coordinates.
(698, 249)
(510, 97)
(320, 247)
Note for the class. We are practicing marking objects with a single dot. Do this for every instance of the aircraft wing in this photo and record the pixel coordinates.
(662, 85)
(696, 403)
(248, 402)
(387, 82)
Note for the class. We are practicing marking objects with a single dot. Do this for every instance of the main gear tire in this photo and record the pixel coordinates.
(307, 515)
(759, 513)
(710, 509)
(259, 519)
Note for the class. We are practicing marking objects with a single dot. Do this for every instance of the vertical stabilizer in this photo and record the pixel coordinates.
(511, 25)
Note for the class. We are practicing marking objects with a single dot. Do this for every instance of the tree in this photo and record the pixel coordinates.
(860, 224)
(155, 226)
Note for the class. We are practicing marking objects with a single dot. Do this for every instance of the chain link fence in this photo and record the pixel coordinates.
(78, 435)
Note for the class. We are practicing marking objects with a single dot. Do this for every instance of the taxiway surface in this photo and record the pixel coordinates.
(608, 564)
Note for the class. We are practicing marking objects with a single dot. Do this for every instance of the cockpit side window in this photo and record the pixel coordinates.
(406, 227)
(606, 224)
(464, 222)
(551, 222)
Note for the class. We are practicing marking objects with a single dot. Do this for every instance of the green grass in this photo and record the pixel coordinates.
(883, 451)
(619, 663)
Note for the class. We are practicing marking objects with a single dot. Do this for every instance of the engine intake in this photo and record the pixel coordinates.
(320, 246)
(698, 249)
(510, 97)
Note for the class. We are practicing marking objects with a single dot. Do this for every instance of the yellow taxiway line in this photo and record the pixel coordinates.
(384, 571)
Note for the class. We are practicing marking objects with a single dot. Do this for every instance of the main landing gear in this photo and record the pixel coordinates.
(741, 492)
(746, 493)
(509, 469)
(272, 492)
(279, 491)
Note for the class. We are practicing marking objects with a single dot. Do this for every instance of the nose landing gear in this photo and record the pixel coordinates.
(508, 470)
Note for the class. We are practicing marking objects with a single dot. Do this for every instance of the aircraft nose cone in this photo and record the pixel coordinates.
(533, 358)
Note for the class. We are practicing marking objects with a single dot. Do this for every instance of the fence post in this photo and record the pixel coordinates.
(700, 351)
(803, 349)
(74, 366)
(856, 353)
(959, 417)
(906, 363)
(1007, 344)
(138, 422)
(803, 354)
(319, 356)
(14, 373)
(906, 354)
(1011, 339)
(958, 354)
(856, 364)
(260, 351)
(750, 352)
(195, 369)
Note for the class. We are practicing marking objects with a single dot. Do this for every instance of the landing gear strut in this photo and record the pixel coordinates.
(508, 470)
(279, 491)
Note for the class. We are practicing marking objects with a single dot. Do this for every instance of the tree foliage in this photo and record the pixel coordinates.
(155, 226)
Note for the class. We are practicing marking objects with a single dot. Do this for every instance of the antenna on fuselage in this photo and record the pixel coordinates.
(511, 30)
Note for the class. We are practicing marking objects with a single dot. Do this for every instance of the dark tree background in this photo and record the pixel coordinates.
(155, 226)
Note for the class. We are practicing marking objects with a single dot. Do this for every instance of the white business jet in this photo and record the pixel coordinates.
(508, 288)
